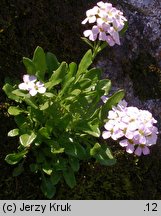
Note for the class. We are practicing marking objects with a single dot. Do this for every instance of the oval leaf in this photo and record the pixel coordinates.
(39, 60)
(85, 63)
(30, 67)
(15, 157)
(14, 110)
(69, 178)
(57, 76)
(13, 132)
(27, 139)
(48, 188)
(52, 62)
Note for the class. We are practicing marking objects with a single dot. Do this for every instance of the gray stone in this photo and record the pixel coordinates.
(141, 45)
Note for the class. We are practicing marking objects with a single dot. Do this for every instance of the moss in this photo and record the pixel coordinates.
(54, 25)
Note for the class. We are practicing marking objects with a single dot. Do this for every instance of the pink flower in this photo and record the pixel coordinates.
(109, 22)
(91, 15)
(139, 150)
(134, 126)
(129, 145)
(92, 34)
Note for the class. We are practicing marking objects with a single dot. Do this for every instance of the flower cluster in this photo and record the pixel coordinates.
(108, 23)
(135, 126)
(32, 85)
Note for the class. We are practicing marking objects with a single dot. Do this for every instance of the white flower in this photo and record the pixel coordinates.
(31, 85)
(91, 15)
(28, 82)
(37, 88)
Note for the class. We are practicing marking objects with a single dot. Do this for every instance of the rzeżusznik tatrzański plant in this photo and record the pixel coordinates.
(60, 109)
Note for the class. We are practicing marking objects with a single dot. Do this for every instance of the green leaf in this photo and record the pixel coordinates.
(104, 85)
(57, 76)
(85, 63)
(74, 163)
(85, 83)
(103, 45)
(93, 130)
(112, 101)
(30, 67)
(87, 127)
(18, 170)
(103, 160)
(40, 157)
(14, 158)
(75, 92)
(14, 132)
(72, 70)
(47, 171)
(20, 93)
(44, 106)
(67, 86)
(52, 62)
(69, 177)
(27, 139)
(44, 132)
(20, 120)
(87, 41)
(103, 155)
(39, 60)
(14, 110)
(8, 89)
(95, 150)
(94, 73)
(48, 188)
(49, 95)
(34, 167)
(61, 164)
(57, 150)
(31, 102)
(75, 150)
(55, 178)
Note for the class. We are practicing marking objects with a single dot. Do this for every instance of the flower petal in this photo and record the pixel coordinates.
(106, 134)
(124, 143)
(130, 148)
(23, 86)
(39, 84)
(110, 41)
(84, 21)
(26, 78)
(41, 90)
(33, 92)
(32, 78)
(138, 151)
(87, 33)
(146, 150)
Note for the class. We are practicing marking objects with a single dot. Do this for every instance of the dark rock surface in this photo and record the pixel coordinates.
(136, 65)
